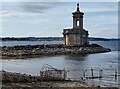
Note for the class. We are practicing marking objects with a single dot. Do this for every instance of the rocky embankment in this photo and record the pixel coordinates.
(40, 50)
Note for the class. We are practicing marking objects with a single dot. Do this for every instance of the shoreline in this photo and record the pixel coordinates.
(12, 80)
(31, 51)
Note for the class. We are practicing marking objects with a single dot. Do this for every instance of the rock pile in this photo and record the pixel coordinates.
(40, 50)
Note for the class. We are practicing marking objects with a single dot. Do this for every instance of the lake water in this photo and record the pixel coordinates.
(13, 43)
(75, 64)
(110, 44)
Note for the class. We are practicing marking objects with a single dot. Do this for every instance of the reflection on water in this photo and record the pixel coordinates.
(76, 57)
(108, 62)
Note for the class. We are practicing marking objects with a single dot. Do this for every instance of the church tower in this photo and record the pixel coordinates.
(78, 18)
(76, 35)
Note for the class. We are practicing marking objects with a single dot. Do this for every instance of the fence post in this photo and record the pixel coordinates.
(100, 73)
(92, 72)
(84, 73)
(115, 74)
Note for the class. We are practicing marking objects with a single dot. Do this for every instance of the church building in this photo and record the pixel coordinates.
(76, 35)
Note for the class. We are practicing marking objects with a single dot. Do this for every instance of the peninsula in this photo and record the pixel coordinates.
(43, 50)
(76, 41)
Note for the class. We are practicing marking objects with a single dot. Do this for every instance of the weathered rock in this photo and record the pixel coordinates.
(40, 50)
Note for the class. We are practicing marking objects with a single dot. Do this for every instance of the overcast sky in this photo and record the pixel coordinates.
(48, 19)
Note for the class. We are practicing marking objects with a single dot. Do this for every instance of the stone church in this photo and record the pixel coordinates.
(76, 35)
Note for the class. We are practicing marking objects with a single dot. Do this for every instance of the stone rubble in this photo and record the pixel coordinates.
(41, 50)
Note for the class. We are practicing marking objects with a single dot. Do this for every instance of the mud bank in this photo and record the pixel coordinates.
(22, 81)
(41, 50)
(12, 80)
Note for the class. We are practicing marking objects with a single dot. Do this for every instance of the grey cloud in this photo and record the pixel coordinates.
(35, 7)
(24, 8)
(39, 7)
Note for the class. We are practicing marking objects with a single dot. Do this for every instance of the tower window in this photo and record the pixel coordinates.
(77, 22)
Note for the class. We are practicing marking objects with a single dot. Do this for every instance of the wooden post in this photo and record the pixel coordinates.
(100, 73)
(84, 73)
(115, 74)
(92, 72)
(65, 74)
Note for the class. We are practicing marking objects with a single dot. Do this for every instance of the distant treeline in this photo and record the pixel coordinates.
(49, 39)
(32, 39)
(102, 39)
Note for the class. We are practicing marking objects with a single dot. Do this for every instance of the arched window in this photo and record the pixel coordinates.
(77, 22)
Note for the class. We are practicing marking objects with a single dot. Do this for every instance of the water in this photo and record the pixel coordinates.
(74, 63)
(110, 44)
(14, 43)
(108, 62)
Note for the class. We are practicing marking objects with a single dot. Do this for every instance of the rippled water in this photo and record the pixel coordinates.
(108, 62)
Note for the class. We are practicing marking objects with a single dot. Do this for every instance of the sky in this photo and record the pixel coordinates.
(48, 19)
